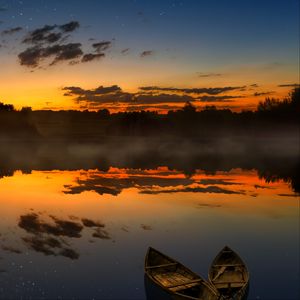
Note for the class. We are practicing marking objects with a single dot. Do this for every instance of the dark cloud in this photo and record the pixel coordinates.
(100, 233)
(113, 94)
(254, 85)
(203, 75)
(146, 227)
(125, 51)
(11, 30)
(101, 190)
(133, 99)
(147, 53)
(77, 91)
(257, 94)
(91, 223)
(31, 57)
(69, 27)
(217, 182)
(137, 107)
(99, 95)
(33, 224)
(206, 205)
(289, 85)
(218, 98)
(3, 9)
(209, 189)
(124, 228)
(257, 186)
(114, 186)
(49, 246)
(53, 37)
(50, 33)
(147, 96)
(42, 40)
(50, 237)
(64, 228)
(73, 90)
(39, 35)
(101, 46)
(69, 253)
(11, 249)
(113, 98)
(91, 56)
(65, 52)
(106, 90)
(210, 91)
(162, 98)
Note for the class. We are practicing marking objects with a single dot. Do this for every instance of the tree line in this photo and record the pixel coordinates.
(271, 115)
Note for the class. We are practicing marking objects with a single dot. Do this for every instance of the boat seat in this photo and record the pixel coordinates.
(229, 282)
(228, 265)
(162, 266)
(175, 281)
(232, 285)
(184, 284)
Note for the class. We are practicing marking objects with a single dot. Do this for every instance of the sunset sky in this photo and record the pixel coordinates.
(135, 54)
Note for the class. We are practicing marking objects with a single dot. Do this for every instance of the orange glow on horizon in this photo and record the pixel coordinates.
(52, 99)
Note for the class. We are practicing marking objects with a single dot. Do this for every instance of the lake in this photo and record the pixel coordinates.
(82, 233)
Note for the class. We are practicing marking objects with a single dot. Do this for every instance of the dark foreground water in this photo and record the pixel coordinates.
(83, 234)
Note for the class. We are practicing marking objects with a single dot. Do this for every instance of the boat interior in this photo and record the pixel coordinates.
(176, 278)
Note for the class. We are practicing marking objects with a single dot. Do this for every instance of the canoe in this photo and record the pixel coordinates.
(229, 275)
(177, 279)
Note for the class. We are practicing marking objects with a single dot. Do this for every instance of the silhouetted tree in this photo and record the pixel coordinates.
(26, 109)
(287, 105)
(103, 113)
(189, 108)
(269, 104)
(295, 99)
(6, 107)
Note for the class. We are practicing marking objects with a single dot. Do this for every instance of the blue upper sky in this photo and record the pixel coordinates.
(259, 25)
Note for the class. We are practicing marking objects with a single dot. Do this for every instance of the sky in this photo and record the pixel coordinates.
(128, 55)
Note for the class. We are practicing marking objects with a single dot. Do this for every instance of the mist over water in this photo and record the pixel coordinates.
(273, 157)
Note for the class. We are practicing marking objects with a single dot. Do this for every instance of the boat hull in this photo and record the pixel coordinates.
(229, 275)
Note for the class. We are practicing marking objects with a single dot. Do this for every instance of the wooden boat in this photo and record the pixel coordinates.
(176, 279)
(229, 274)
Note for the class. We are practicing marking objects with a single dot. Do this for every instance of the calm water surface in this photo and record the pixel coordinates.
(83, 234)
